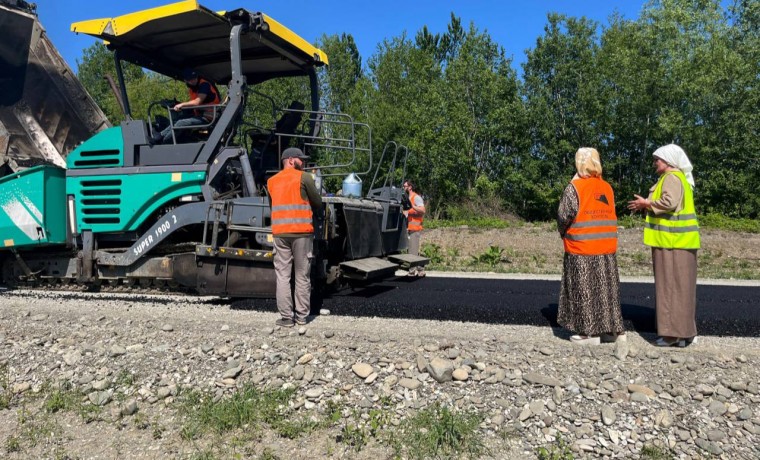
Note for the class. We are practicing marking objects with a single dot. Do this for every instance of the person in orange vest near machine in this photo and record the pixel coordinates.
(672, 231)
(201, 92)
(294, 199)
(589, 299)
(414, 216)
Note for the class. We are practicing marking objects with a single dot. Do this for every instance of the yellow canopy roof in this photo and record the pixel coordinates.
(170, 38)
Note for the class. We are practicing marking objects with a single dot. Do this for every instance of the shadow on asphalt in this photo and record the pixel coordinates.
(635, 318)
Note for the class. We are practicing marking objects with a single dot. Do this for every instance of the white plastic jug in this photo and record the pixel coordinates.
(352, 186)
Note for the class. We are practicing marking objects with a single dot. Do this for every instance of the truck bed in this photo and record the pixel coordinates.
(45, 112)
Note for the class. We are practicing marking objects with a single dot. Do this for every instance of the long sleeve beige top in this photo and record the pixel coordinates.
(671, 199)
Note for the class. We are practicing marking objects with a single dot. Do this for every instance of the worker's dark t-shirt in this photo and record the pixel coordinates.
(205, 88)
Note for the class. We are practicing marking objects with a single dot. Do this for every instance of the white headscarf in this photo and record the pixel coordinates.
(676, 157)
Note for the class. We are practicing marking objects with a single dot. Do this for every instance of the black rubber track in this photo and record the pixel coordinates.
(721, 310)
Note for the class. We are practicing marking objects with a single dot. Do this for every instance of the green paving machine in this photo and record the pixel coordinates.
(124, 211)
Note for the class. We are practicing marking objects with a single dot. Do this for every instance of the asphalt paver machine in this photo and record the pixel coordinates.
(126, 211)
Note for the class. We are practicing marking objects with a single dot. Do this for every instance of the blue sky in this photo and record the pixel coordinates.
(515, 25)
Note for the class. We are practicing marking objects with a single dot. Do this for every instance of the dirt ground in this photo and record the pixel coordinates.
(537, 249)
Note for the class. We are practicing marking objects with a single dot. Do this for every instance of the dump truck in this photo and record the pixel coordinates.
(125, 211)
(44, 110)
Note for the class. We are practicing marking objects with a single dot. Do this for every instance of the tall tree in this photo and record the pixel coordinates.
(96, 63)
(563, 108)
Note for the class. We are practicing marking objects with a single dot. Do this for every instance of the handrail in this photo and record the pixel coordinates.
(331, 144)
(169, 110)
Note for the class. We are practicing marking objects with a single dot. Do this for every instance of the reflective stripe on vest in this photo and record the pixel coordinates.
(673, 230)
(415, 219)
(594, 230)
(208, 112)
(290, 212)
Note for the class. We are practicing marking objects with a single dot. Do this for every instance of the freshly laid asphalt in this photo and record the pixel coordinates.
(722, 310)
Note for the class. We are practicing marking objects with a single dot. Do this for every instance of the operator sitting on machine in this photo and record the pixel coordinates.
(202, 92)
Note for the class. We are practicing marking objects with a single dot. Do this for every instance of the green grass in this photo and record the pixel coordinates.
(735, 224)
(61, 399)
(711, 221)
(650, 452)
(558, 450)
(472, 222)
(13, 444)
(249, 407)
(359, 430)
(438, 432)
(629, 221)
(268, 455)
(203, 455)
(125, 378)
(6, 396)
(34, 429)
(491, 257)
(433, 252)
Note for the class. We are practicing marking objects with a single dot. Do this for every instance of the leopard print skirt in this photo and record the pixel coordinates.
(589, 299)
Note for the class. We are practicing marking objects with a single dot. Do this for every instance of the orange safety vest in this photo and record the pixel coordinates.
(594, 230)
(208, 112)
(415, 219)
(290, 212)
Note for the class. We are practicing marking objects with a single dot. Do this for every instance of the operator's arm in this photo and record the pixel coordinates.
(309, 191)
(568, 209)
(191, 103)
(203, 92)
(418, 207)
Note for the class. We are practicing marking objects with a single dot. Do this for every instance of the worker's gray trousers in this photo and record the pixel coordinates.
(414, 243)
(293, 255)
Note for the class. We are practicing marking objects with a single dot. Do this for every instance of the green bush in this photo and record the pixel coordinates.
(711, 220)
(433, 252)
(491, 257)
(721, 222)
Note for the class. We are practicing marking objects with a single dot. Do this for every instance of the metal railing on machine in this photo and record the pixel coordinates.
(337, 144)
(391, 189)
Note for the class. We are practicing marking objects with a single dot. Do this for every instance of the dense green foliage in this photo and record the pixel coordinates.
(684, 71)
(143, 87)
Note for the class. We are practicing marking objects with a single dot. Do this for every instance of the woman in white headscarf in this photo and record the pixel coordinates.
(672, 230)
(589, 300)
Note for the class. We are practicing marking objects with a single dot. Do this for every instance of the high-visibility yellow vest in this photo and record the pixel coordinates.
(673, 230)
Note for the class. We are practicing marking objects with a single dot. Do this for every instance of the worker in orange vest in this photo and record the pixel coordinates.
(414, 229)
(200, 92)
(294, 199)
(589, 302)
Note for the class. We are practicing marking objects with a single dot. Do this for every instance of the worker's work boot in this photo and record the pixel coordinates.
(284, 322)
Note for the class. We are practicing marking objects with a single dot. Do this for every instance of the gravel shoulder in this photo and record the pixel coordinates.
(132, 360)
